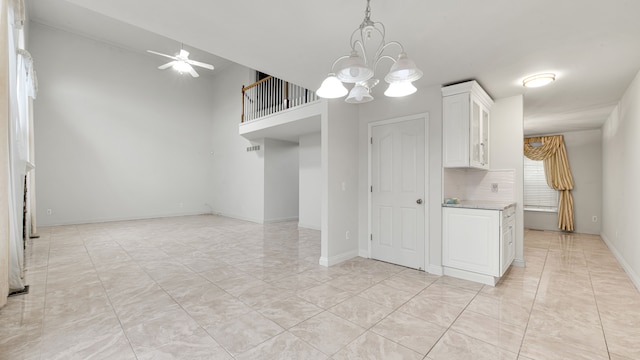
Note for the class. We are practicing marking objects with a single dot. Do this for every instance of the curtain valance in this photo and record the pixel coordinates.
(553, 153)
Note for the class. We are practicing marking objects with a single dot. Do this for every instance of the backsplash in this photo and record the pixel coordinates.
(468, 184)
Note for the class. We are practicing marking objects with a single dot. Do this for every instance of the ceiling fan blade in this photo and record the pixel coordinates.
(161, 54)
(201, 64)
(193, 72)
(167, 65)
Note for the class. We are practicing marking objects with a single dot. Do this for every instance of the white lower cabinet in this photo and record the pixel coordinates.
(478, 244)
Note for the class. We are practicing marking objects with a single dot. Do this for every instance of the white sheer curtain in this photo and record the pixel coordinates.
(21, 87)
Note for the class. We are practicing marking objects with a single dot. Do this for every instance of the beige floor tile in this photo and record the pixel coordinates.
(238, 285)
(408, 283)
(353, 282)
(262, 295)
(502, 309)
(325, 296)
(290, 311)
(372, 346)
(454, 345)
(433, 311)
(463, 284)
(613, 356)
(63, 314)
(101, 335)
(386, 296)
(89, 281)
(284, 346)
(222, 272)
(199, 346)
(193, 292)
(297, 283)
(164, 328)
(549, 336)
(361, 311)
(327, 332)
(493, 331)
(449, 294)
(243, 333)
(409, 331)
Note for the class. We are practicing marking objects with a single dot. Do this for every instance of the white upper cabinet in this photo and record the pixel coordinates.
(466, 113)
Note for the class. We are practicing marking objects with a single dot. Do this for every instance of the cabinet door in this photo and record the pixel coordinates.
(508, 246)
(471, 240)
(456, 130)
(484, 138)
(476, 134)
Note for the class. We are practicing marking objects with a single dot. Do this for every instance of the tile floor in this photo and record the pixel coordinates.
(208, 287)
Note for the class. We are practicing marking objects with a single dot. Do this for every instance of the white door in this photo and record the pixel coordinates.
(398, 193)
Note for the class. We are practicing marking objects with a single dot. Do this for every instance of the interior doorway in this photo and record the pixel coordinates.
(397, 201)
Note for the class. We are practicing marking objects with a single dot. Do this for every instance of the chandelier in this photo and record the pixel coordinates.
(368, 49)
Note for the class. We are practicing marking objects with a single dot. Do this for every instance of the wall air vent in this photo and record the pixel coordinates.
(253, 148)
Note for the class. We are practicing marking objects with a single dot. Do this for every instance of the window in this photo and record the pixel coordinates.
(538, 196)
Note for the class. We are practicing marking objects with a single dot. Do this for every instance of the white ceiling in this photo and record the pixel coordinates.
(592, 45)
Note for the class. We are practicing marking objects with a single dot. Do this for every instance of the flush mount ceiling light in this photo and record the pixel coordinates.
(538, 80)
(368, 48)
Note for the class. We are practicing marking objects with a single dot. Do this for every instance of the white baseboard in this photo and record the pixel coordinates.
(337, 259)
(435, 270)
(363, 253)
(471, 276)
(635, 279)
(306, 226)
(116, 219)
(271, 221)
(323, 261)
(238, 217)
(519, 263)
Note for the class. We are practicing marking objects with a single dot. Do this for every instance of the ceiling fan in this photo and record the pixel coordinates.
(182, 63)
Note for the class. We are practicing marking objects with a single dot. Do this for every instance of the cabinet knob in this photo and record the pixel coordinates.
(419, 201)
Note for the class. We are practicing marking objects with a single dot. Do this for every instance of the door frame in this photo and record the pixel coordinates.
(425, 118)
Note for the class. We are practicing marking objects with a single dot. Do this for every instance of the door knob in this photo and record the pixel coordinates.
(419, 201)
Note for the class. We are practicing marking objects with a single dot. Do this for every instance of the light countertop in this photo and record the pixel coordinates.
(488, 205)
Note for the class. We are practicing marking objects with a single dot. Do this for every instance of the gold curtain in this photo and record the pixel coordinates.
(557, 171)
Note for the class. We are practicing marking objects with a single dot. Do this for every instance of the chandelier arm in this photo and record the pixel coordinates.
(364, 53)
(338, 60)
(387, 45)
(383, 57)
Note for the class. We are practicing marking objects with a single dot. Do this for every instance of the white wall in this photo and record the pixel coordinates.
(505, 136)
(584, 149)
(426, 100)
(281, 180)
(476, 185)
(310, 181)
(339, 136)
(237, 186)
(116, 138)
(621, 171)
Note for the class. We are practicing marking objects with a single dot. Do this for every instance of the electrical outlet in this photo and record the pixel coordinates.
(49, 211)
(594, 219)
(347, 235)
(494, 187)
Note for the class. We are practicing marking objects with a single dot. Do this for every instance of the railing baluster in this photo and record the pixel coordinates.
(271, 95)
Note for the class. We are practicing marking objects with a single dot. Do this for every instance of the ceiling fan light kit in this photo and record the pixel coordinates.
(358, 68)
(538, 80)
(181, 63)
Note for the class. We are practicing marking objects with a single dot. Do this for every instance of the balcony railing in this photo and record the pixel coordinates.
(271, 95)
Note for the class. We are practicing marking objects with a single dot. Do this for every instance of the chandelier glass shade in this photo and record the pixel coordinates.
(332, 88)
(368, 48)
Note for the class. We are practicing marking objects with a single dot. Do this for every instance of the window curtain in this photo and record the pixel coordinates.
(553, 154)
(22, 86)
